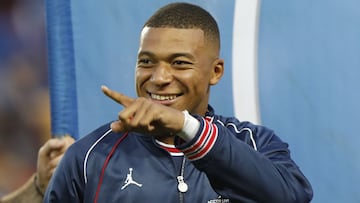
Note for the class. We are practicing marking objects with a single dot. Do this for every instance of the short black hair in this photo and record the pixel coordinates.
(186, 16)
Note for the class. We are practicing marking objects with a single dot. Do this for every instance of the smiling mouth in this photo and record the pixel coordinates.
(163, 97)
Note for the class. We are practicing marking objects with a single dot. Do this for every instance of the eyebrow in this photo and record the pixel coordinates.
(174, 55)
(145, 53)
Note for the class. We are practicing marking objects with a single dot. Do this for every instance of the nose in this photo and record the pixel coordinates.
(161, 74)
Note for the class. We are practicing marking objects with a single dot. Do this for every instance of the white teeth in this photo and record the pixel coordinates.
(162, 97)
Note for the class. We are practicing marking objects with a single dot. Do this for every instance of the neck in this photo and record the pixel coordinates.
(166, 139)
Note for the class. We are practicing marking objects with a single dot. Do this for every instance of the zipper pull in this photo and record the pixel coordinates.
(182, 186)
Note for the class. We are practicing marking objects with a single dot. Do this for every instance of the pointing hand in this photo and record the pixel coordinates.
(144, 115)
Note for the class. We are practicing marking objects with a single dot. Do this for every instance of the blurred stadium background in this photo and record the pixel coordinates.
(24, 100)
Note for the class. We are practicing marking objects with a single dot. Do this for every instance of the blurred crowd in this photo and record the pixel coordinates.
(24, 97)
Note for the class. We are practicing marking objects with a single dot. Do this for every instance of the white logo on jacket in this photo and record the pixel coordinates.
(129, 180)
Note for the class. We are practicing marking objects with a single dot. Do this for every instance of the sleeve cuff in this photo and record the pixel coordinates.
(202, 143)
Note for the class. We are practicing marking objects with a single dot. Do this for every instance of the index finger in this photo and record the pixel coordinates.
(117, 97)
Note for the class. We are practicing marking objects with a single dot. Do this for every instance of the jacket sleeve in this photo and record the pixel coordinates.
(66, 182)
(247, 163)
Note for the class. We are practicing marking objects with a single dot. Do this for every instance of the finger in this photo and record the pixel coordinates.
(54, 154)
(117, 126)
(51, 145)
(69, 140)
(117, 97)
(55, 161)
(128, 114)
(143, 117)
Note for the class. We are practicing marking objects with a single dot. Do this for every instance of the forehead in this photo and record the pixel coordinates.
(171, 39)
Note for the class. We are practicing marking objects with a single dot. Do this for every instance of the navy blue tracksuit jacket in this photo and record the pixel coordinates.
(227, 161)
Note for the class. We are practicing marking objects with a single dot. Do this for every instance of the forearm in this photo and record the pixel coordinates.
(25, 194)
(240, 173)
(254, 174)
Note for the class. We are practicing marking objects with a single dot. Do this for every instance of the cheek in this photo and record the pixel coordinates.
(202, 77)
(190, 79)
(140, 79)
(141, 75)
(202, 81)
(197, 82)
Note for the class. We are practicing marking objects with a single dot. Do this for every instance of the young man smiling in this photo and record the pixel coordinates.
(168, 145)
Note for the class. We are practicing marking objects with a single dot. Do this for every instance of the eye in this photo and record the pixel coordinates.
(181, 62)
(144, 62)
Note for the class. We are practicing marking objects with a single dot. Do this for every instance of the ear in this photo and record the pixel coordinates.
(217, 71)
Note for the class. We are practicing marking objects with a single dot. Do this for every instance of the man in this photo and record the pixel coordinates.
(49, 156)
(168, 145)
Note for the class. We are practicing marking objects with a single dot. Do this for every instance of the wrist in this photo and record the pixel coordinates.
(37, 186)
(190, 127)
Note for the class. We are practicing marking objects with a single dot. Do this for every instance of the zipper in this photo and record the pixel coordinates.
(182, 186)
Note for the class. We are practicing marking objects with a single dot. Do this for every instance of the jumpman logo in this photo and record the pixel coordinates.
(129, 180)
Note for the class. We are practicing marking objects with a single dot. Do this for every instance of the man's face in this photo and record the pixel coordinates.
(176, 68)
